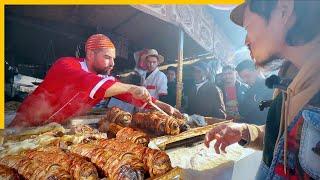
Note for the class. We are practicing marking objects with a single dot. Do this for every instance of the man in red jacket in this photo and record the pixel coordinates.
(73, 85)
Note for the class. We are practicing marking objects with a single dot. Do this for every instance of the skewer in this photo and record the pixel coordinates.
(156, 107)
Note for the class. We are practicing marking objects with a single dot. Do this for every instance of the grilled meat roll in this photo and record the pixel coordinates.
(114, 164)
(115, 115)
(152, 121)
(77, 166)
(129, 134)
(155, 162)
(7, 173)
(33, 169)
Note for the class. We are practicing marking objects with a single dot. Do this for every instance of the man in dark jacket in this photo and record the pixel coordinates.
(170, 98)
(204, 97)
(256, 93)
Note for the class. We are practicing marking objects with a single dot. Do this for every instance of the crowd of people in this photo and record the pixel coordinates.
(233, 94)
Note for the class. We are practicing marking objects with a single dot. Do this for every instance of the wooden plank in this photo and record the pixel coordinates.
(175, 173)
(186, 137)
(91, 119)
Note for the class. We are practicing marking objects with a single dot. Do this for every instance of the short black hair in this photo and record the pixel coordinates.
(202, 66)
(172, 68)
(246, 64)
(307, 14)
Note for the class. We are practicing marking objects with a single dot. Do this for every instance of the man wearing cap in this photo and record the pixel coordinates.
(256, 93)
(282, 29)
(73, 85)
(154, 80)
(204, 97)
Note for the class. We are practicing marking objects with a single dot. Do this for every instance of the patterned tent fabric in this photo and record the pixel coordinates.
(195, 21)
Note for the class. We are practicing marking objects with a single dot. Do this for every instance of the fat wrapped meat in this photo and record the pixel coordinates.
(115, 115)
(114, 164)
(114, 128)
(129, 134)
(181, 122)
(33, 169)
(155, 162)
(7, 173)
(77, 166)
(160, 125)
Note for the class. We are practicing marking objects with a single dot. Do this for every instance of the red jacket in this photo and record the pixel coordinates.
(68, 90)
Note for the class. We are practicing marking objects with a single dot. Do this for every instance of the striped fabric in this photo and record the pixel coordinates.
(98, 41)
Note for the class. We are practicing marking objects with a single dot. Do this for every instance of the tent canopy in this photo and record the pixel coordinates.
(40, 34)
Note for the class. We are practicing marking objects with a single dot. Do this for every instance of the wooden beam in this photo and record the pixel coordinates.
(187, 61)
(179, 70)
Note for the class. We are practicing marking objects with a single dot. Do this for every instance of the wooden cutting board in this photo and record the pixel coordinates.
(81, 120)
(186, 138)
(175, 173)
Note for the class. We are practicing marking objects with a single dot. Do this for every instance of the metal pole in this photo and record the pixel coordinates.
(179, 70)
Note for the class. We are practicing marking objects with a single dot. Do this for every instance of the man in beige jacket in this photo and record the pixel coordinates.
(283, 29)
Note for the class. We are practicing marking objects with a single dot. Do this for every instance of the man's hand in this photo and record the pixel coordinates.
(225, 134)
(140, 93)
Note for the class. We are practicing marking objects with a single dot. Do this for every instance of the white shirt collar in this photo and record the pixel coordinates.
(199, 85)
(84, 65)
(153, 73)
(85, 68)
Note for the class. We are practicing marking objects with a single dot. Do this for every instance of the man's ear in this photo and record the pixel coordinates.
(89, 55)
(286, 9)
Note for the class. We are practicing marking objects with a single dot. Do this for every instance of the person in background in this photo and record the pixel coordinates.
(219, 80)
(140, 66)
(233, 93)
(204, 98)
(172, 87)
(154, 80)
(257, 92)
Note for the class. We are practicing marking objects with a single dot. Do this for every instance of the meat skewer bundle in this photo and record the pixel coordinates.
(114, 164)
(129, 134)
(181, 122)
(114, 128)
(83, 129)
(115, 115)
(7, 173)
(33, 169)
(77, 166)
(83, 133)
(156, 162)
(159, 124)
(142, 120)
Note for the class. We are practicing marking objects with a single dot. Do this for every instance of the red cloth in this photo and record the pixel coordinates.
(296, 172)
(231, 93)
(64, 93)
(231, 103)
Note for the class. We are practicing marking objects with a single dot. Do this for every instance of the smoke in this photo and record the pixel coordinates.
(271, 67)
(43, 106)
